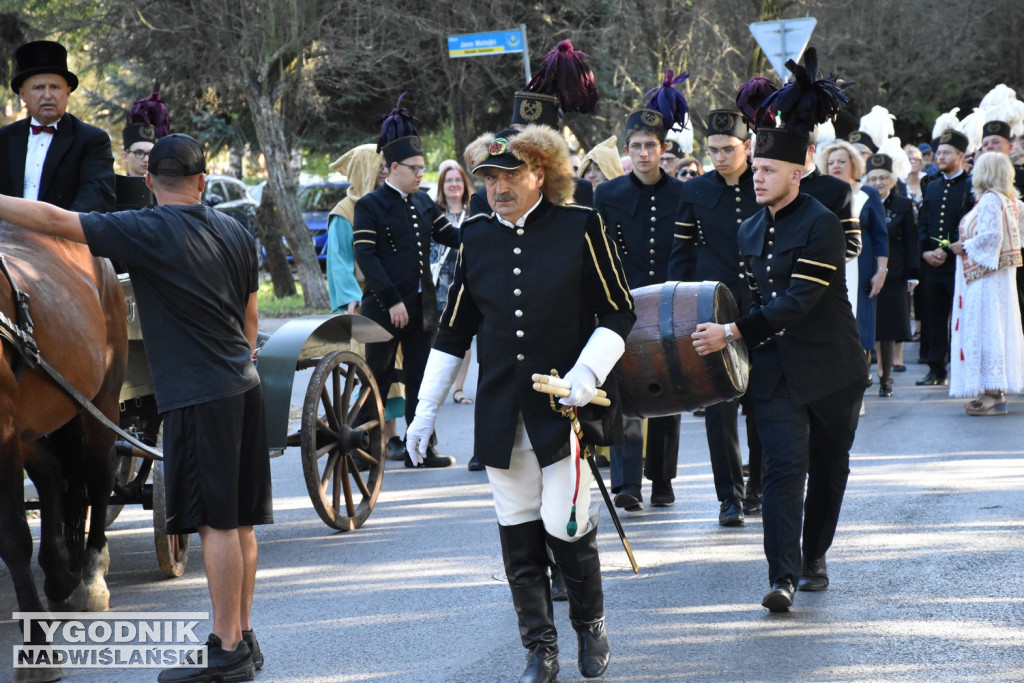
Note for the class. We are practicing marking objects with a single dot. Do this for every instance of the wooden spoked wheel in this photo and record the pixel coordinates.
(171, 549)
(342, 440)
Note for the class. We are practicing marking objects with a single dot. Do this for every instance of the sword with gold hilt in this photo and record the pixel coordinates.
(554, 386)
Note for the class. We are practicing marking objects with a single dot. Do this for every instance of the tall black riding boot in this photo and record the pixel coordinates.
(581, 567)
(526, 566)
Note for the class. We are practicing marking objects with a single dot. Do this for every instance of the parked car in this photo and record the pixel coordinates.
(231, 196)
(316, 202)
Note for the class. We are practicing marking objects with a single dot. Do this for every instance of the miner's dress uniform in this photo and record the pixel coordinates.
(392, 234)
(530, 295)
(946, 200)
(706, 247)
(641, 220)
(807, 375)
(837, 196)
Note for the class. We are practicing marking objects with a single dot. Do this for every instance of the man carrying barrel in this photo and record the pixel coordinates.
(807, 369)
(532, 278)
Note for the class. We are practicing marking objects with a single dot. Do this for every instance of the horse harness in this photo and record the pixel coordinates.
(18, 333)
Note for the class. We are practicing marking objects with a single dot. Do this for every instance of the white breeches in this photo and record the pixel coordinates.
(525, 493)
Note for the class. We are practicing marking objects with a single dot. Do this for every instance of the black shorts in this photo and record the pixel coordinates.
(217, 465)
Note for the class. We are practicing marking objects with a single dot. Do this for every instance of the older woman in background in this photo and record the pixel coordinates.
(686, 168)
(865, 279)
(892, 320)
(986, 344)
(601, 163)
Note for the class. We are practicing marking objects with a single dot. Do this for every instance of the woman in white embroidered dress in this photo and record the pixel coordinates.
(987, 345)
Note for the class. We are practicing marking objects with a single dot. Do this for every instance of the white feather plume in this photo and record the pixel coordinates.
(973, 126)
(900, 161)
(947, 121)
(1010, 112)
(878, 124)
(997, 95)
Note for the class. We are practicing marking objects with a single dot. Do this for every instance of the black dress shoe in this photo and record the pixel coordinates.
(394, 449)
(899, 368)
(885, 390)
(813, 575)
(433, 459)
(629, 498)
(475, 465)
(932, 380)
(730, 514)
(780, 597)
(662, 495)
(752, 502)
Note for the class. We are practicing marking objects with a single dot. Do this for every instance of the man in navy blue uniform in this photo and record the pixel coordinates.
(641, 213)
(706, 248)
(540, 287)
(807, 370)
(393, 227)
(946, 200)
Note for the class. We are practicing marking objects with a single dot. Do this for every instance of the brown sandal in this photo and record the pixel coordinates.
(987, 404)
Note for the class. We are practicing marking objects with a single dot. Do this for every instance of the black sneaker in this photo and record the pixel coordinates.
(254, 645)
(629, 498)
(221, 665)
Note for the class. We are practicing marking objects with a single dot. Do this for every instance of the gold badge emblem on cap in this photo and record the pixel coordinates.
(992, 127)
(650, 118)
(722, 122)
(498, 146)
(531, 110)
(416, 144)
(765, 141)
(878, 160)
(946, 137)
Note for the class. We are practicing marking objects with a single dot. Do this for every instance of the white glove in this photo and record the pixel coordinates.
(602, 352)
(582, 386)
(438, 377)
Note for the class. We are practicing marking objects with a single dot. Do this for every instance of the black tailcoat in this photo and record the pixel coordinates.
(78, 174)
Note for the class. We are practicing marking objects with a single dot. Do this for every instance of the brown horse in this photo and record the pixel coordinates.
(80, 328)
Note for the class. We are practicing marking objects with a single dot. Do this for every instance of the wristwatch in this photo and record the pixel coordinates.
(729, 336)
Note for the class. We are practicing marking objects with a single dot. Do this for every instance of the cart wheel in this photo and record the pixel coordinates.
(171, 550)
(343, 458)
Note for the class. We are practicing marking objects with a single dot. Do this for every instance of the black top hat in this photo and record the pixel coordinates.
(859, 137)
(727, 122)
(781, 144)
(41, 57)
(665, 107)
(879, 162)
(1000, 128)
(398, 138)
(177, 155)
(954, 138)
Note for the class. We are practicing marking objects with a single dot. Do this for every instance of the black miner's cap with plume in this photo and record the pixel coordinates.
(749, 99)
(398, 139)
(148, 120)
(564, 81)
(808, 99)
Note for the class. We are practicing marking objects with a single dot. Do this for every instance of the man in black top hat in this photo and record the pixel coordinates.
(807, 368)
(51, 155)
(640, 211)
(195, 277)
(946, 199)
(706, 248)
(997, 137)
(393, 228)
(540, 286)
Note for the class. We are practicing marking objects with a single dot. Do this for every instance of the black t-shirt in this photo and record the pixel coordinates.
(192, 271)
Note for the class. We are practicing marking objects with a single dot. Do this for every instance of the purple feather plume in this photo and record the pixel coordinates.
(808, 99)
(669, 101)
(399, 123)
(749, 99)
(153, 111)
(565, 73)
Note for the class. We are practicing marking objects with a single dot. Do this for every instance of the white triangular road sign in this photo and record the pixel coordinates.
(783, 40)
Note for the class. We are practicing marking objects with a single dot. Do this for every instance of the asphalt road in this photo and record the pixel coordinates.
(926, 580)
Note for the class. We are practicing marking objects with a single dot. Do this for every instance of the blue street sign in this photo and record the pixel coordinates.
(492, 43)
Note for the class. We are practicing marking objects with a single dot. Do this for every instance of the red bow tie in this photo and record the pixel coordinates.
(36, 130)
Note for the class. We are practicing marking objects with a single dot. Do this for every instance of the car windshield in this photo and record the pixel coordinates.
(320, 198)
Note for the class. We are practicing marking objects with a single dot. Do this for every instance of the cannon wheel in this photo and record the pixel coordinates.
(343, 460)
(171, 550)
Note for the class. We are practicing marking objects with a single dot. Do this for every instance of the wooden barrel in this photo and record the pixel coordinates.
(660, 373)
